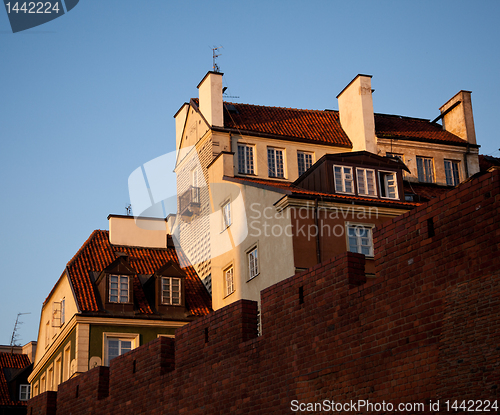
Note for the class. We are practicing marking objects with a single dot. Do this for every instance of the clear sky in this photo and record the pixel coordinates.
(87, 98)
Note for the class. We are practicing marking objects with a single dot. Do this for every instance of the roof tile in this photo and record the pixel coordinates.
(97, 253)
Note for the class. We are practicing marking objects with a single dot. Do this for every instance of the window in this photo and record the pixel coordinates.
(425, 170)
(50, 378)
(343, 179)
(253, 265)
(275, 162)
(194, 178)
(304, 161)
(47, 334)
(226, 215)
(118, 289)
(42, 384)
(57, 371)
(360, 238)
(116, 344)
(451, 171)
(67, 362)
(245, 159)
(24, 392)
(171, 291)
(388, 185)
(229, 280)
(366, 182)
(63, 311)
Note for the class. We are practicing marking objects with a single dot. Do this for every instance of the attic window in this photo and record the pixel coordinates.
(118, 288)
(171, 291)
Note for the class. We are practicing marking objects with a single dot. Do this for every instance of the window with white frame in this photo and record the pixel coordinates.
(171, 291)
(451, 170)
(245, 159)
(226, 215)
(360, 238)
(24, 392)
(425, 169)
(229, 280)
(66, 362)
(118, 288)
(47, 334)
(344, 182)
(366, 182)
(194, 177)
(275, 162)
(116, 344)
(253, 264)
(304, 161)
(388, 184)
(63, 311)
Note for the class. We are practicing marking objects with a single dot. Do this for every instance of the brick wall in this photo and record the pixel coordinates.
(427, 328)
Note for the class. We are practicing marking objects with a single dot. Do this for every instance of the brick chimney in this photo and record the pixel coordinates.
(457, 116)
(356, 113)
(210, 94)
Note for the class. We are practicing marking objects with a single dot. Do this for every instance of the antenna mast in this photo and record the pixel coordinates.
(14, 332)
(215, 55)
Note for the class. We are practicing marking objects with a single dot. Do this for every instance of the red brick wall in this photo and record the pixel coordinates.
(427, 328)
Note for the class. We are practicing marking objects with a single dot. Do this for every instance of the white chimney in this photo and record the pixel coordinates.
(356, 113)
(210, 94)
(457, 116)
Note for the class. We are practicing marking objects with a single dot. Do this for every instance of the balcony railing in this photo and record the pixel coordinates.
(189, 202)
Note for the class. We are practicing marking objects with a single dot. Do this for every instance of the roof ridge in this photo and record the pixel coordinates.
(276, 107)
(403, 116)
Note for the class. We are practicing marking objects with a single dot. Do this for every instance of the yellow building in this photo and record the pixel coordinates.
(122, 289)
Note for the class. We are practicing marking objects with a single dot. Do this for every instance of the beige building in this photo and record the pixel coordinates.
(122, 289)
(234, 156)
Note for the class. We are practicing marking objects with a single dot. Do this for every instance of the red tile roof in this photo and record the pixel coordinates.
(485, 162)
(324, 126)
(425, 191)
(12, 361)
(97, 253)
(389, 126)
(292, 189)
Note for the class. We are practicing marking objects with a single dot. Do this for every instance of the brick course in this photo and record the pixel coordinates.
(427, 328)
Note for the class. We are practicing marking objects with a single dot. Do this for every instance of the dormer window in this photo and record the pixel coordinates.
(366, 182)
(171, 291)
(118, 288)
(388, 185)
(344, 182)
(169, 288)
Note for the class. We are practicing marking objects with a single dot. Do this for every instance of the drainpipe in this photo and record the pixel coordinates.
(465, 161)
(316, 222)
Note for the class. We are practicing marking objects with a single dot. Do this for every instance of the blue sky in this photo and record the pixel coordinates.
(89, 97)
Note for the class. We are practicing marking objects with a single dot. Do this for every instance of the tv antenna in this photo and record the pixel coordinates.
(215, 55)
(15, 336)
(128, 209)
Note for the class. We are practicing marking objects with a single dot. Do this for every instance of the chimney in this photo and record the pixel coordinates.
(140, 231)
(457, 116)
(356, 113)
(210, 94)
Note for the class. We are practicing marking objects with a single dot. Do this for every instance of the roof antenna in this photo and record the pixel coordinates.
(15, 336)
(128, 209)
(215, 55)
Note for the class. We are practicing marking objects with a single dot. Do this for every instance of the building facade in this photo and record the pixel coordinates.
(234, 156)
(122, 289)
